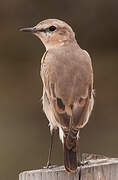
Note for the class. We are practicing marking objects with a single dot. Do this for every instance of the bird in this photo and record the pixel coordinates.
(67, 77)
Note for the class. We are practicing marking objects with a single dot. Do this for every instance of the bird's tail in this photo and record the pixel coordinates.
(70, 151)
(77, 121)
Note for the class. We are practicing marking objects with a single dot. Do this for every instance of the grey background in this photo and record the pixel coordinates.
(24, 132)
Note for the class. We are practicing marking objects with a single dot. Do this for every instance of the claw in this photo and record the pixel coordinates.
(83, 163)
(49, 166)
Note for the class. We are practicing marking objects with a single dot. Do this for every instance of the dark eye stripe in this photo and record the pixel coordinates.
(50, 29)
(43, 30)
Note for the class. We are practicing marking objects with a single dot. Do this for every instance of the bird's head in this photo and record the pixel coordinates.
(52, 32)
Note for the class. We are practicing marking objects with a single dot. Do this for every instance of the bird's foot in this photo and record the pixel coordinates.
(49, 166)
(83, 163)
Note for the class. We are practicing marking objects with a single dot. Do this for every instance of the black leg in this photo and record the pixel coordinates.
(78, 153)
(81, 162)
(50, 149)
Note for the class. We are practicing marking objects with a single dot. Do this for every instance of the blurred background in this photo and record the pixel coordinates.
(24, 132)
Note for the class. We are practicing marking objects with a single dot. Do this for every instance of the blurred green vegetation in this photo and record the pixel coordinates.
(24, 132)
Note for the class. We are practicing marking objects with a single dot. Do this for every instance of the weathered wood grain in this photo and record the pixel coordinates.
(98, 168)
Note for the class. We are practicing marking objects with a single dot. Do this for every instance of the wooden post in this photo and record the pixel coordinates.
(98, 168)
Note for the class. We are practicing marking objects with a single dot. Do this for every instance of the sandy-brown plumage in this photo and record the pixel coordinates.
(67, 77)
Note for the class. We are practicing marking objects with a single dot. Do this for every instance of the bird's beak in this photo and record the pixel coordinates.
(30, 29)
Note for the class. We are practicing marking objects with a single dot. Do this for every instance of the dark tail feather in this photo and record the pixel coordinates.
(70, 156)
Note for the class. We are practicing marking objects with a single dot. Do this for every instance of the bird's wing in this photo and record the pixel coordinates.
(68, 82)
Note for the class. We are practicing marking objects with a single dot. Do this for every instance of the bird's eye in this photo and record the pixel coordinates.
(52, 28)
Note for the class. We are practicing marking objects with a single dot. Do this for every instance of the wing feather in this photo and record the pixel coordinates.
(68, 80)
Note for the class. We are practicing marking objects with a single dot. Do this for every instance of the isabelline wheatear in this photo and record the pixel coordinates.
(67, 76)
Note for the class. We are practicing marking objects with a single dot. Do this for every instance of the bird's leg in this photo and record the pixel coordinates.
(78, 153)
(50, 149)
(81, 162)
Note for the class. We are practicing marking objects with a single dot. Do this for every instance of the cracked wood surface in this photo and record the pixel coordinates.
(99, 168)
